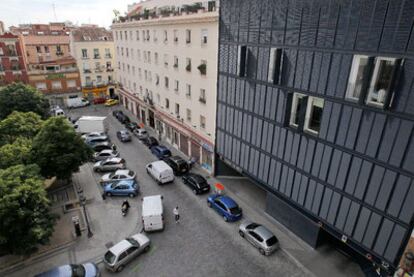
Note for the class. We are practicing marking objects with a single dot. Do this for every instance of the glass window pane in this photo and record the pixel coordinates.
(356, 77)
(381, 80)
(314, 114)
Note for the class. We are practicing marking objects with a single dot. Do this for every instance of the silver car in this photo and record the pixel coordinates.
(105, 154)
(124, 251)
(110, 164)
(261, 237)
(118, 175)
(93, 135)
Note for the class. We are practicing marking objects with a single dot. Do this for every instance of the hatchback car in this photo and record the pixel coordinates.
(110, 164)
(119, 175)
(178, 165)
(111, 102)
(103, 146)
(96, 140)
(105, 154)
(70, 270)
(93, 135)
(196, 182)
(150, 142)
(123, 135)
(141, 134)
(124, 251)
(261, 237)
(161, 152)
(225, 206)
(123, 188)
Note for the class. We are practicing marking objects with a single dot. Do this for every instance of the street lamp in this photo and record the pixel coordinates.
(82, 200)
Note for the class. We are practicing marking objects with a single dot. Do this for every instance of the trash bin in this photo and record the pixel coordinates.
(219, 189)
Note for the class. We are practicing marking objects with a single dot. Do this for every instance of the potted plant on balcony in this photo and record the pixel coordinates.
(202, 68)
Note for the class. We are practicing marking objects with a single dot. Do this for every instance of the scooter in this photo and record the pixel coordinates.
(124, 210)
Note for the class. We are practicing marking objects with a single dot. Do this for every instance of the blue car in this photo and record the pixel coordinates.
(87, 270)
(161, 152)
(225, 206)
(122, 188)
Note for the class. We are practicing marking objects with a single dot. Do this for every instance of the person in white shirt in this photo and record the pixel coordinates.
(176, 215)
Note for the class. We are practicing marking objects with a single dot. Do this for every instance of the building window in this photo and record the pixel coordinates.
(84, 53)
(241, 60)
(188, 115)
(175, 36)
(122, 51)
(307, 110)
(297, 106)
(156, 58)
(143, 35)
(108, 53)
(137, 34)
(116, 35)
(167, 103)
(381, 81)
(98, 79)
(176, 85)
(126, 35)
(203, 36)
(166, 59)
(133, 70)
(188, 36)
(139, 55)
(165, 36)
(166, 82)
(175, 62)
(188, 91)
(177, 109)
(46, 49)
(202, 98)
(96, 53)
(154, 34)
(202, 122)
(158, 98)
(274, 65)
(188, 65)
(88, 81)
(203, 67)
(56, 85)
(357, 76)
(41, 85)
(149, 56)
(38, 49)
(130, 35)
(157, 79)
(127, 52)
(120, 35)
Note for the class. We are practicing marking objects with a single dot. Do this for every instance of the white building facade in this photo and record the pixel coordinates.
(168, 71)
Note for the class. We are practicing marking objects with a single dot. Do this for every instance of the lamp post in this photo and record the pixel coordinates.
(82, 200)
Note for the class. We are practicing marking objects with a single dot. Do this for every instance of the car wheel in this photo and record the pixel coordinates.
(241, 234)
(147, 248)
(262, 251)
(225, 218)
(131, 195)
(195, 192)
(109, 194)
(208, 204)
(120, 268)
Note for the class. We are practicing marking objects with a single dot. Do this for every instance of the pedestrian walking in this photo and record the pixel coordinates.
(176, 215)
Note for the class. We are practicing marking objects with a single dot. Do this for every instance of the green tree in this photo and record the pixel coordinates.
(19, 124)
(15, 153)
(25, 221)
(22, 98)
(58, 150)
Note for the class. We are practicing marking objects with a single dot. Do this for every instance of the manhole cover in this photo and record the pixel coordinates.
(109, 244)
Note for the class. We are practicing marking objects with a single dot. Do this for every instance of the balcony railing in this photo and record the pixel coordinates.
(97, 56)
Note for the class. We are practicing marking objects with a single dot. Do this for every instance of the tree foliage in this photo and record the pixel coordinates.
(19, 124)
(58, 150)
(24, 210)
(15, 153)
(22, 98)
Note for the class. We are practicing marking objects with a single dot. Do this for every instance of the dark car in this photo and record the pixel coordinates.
(161, 152)
(86, 270)
(116, 112)
(123, 118)
(196, 182)
(178, 165)
(123, 135)
(131, 126)
(150, 142)
(103, 146)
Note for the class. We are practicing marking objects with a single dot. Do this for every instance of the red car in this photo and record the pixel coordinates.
(99, 100)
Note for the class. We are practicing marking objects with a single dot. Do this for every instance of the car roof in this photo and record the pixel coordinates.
(115, 159)
(120, 247)
(263, 232)
(124, 182)
(107, 151)
(122, 171)
(161, 147)
(230, 203)
(198, 178)
(177, 159)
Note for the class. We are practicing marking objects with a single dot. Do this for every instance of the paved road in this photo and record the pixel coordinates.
(201, 245)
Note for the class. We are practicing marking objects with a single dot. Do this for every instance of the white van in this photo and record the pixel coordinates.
(161, 172)
(76, 102)
(152, 213)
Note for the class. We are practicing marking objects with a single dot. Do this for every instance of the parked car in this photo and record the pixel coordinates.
(110, 164)
(161, 152)
(178, 165)
(96, 140)
(93, 135)
(111, 102)
(70, 270)
(123, 118)
(124, 251)
(103, 146)
(123, 188)
(123, 135)
(196, 182)
(150, 142)
(119, 175)
(105, 154)
(225, 206)
(116, 112)
(141, 134)
(261, 237)
(99, 100)
(132, 126)
(161, 172)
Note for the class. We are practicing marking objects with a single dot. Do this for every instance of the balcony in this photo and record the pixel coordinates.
(87, 71)
(97, 56)
(109, 69)
(108, 56)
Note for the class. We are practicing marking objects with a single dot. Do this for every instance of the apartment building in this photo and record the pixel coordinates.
(93, 49)
(316, 106)
(13, 66)
(167, 61)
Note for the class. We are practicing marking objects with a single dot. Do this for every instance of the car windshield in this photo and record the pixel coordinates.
(252, 226)
(272, 241)
(114, 185)
(132, 241)
(77, 270)
(202, 184)
(235, 210)
(110, 257)
(111, 175)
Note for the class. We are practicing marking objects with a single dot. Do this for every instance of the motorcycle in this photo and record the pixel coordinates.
(124, 209)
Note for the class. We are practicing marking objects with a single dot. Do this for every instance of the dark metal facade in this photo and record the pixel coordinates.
(355, 177)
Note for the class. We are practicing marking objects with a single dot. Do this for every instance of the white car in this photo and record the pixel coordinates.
(105, 154)
(121, 174)
(93, 135)
(124, 251)
(110, 164)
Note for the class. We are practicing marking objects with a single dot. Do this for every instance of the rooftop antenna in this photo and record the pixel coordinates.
(54, 11)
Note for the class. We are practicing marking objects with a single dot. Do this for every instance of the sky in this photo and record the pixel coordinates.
(100, 12)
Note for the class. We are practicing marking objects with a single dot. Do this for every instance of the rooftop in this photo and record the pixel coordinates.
(91, 33)
(45, 39)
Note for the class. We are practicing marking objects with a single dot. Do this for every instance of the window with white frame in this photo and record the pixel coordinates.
(204, 36)
(297, 105)
(143, 35)
(122, 51)
(120, 34)
(167, 103)
(175, 36)
(202, 98)
(127, 52)
(71, 83)
(165, 36)
(176, 85)
(137, 35)
(356, 77)
(135, 87)
(41, 85)
(139, 72)
(187, 36)
(274, 65)
(177, 109)
(313, 115)
(175, 62)
(157, 79)
(126, 35)
(381, 81)
(84, 53)
(116, 35)
(188, 91)
(188, 115)
(202, 122)
(130, 35)
(56, 84)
